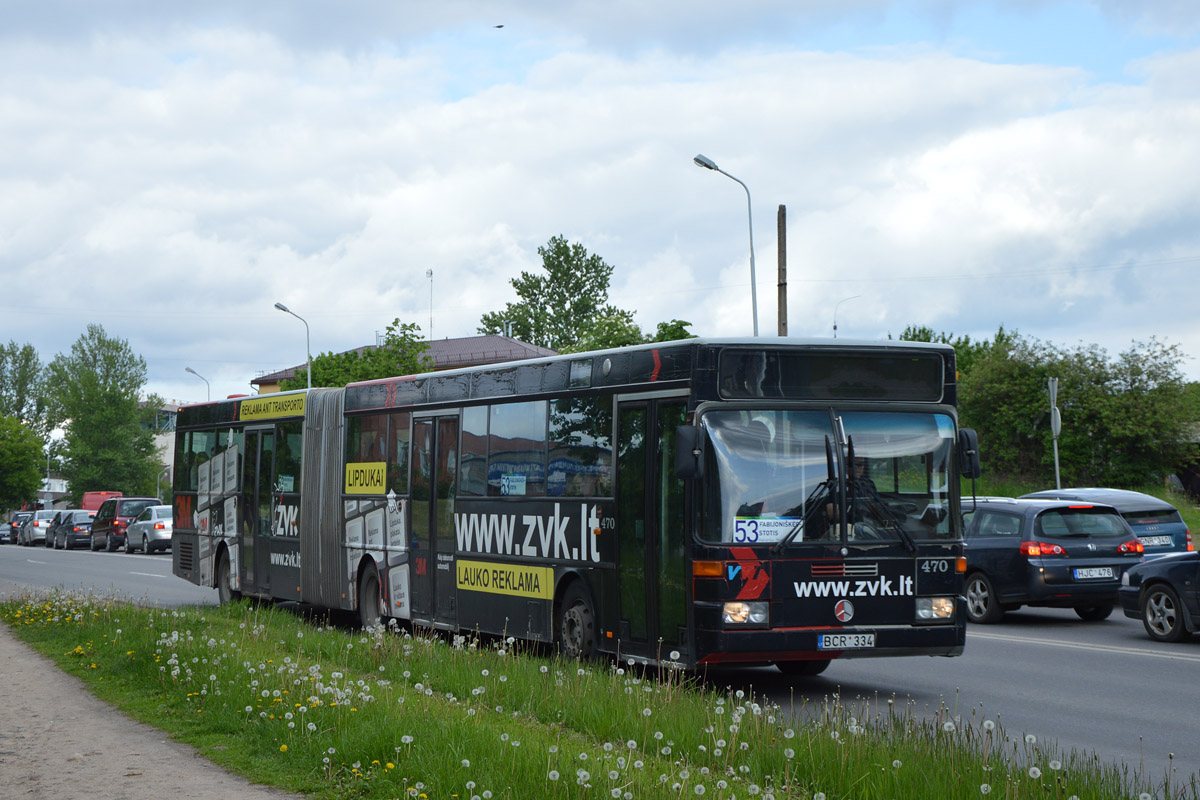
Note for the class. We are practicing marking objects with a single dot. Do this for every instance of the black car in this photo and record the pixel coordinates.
(75, 530)
(1156, 522)
(1048, 553)
(9, 533)
(1165, 595)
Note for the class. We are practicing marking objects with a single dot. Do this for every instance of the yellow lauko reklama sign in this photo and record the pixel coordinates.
(513, 579)
(366, 477)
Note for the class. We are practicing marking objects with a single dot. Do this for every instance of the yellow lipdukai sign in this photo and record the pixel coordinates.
(366, 477)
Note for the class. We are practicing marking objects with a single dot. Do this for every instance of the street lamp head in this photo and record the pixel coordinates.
(189, 369)
(704, 161)
(282, 307)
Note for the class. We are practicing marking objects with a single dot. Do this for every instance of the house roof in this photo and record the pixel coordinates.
(466, 351)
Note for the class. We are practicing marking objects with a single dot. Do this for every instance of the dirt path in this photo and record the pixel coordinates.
(58, 742)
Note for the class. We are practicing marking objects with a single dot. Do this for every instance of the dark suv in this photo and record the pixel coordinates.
(113, 518)
(1049, 553)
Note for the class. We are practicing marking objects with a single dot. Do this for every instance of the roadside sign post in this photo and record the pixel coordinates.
(1055, 426)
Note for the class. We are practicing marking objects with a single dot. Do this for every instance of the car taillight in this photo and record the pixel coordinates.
(1042, 549)
(118, 524)
(76, 529)
(1132, 546)
(158, 526)
(1191, 548)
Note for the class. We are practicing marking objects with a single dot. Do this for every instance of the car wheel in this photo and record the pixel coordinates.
(1094, 613)
(128, 545)
(1162, 614)
(225, 591)
(145, 545)
(576, 625)
(982, 604)
(802, 668)
(109, 545)
(369, 615)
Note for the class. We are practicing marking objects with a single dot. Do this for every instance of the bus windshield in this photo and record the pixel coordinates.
(768, 474)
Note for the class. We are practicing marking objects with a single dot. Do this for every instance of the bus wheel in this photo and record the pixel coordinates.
(576, 625)
(368, 601)
(982, 604)
(225, 590)
(802, 668)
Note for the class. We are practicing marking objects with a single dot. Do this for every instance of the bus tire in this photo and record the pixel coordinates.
(802, 669)
(576, 624)
(225, 591)
(369, 615)
(983, 606)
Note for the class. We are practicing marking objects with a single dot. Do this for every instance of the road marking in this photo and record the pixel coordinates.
(1131, 651)
(33, 561)
(148, 574)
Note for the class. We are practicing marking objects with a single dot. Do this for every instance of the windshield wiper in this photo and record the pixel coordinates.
(812, 503)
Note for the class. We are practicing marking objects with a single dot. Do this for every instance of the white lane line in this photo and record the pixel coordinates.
(1100, 648)
(33, 561)
(148, 574)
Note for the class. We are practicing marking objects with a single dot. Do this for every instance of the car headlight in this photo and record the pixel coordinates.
(742, 613)
(935, 608)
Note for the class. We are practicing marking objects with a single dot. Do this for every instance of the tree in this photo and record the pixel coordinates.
(967, 353)
(21, 393)
(1125, 421)
(558, 309)
(403, 352)
(96, 402)
(20, 462)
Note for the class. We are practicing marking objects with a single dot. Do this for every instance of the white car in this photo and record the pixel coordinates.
(150, 530)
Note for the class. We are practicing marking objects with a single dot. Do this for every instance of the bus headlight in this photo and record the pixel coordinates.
(935, 608)
(742, 613)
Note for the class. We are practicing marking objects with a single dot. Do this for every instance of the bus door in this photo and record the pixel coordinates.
(257, 466)
(434, 475)
(651, 591)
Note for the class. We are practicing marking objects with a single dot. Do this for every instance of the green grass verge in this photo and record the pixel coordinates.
(313, 708)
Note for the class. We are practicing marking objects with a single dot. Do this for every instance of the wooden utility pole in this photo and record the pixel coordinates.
(782, 238)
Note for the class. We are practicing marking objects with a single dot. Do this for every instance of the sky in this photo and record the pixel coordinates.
(170, 171)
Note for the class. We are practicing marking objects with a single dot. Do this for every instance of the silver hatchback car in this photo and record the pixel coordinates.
(150, 530)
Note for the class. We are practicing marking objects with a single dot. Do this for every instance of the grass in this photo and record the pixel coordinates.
(311, 708)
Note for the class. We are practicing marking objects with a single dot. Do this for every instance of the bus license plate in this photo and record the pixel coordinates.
(845, 641)
(1093, 572)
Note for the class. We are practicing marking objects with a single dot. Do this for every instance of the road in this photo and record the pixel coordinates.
(1102, 687)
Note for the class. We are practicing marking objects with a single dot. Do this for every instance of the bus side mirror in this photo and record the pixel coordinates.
(968, 453)
(689, 452)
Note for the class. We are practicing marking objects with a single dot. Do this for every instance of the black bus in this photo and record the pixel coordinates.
(696, 502)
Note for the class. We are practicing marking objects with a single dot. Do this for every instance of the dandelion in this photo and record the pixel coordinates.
(631, 744)
(283, 748)
(1030, 739)
(1035, 773)
(948, 726)
(1055, 765)
(646, 712)
(819, 796)
(466, 763)
(988, 725)
(985, 788)
(789, 753)
(699, 788)
(406, 739)
(553, 775)
(897, 764)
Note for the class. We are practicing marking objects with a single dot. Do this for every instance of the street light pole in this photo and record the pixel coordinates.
(708, 163)
(207, 387)
(307, 346)
(835, 308)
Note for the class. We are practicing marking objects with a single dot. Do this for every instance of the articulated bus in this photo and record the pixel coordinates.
(744, 501)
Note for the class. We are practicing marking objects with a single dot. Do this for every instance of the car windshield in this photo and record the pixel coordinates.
(1080, 522)
(767, 472)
